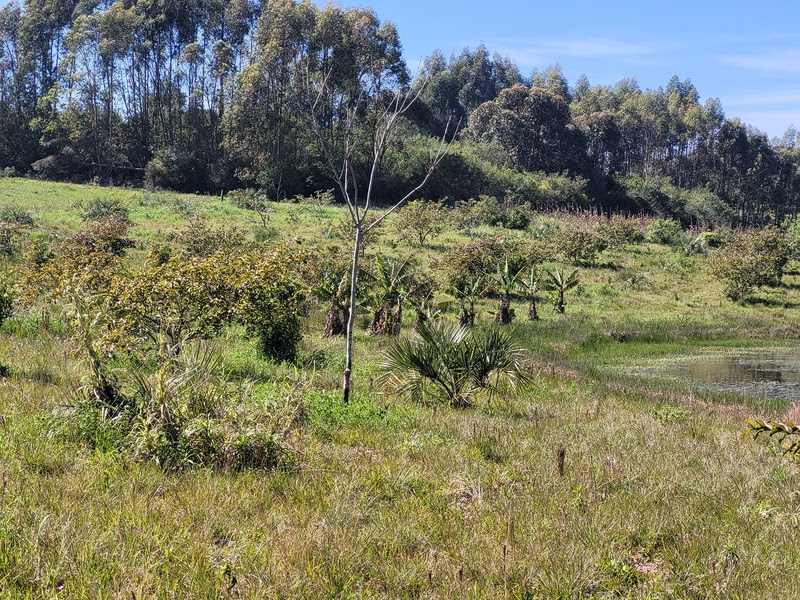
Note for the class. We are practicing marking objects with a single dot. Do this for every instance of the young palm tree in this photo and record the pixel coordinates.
(453, 364)
(531, 287)
(334, 290)
(560, 284)
(503, 284)
(389, 285)
(466, 293)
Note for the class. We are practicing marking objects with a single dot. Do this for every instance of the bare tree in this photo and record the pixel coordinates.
(339, 139)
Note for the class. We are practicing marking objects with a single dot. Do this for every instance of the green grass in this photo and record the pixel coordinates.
(658, 498)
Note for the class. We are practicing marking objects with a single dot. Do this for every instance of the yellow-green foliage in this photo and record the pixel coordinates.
(420, 221)
(752, 260)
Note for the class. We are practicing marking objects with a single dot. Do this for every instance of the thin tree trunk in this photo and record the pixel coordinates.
(352, 316)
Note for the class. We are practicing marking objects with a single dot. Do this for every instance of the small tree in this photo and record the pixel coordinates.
(503, 284)
(530, 286)
(355, 107)
(332, 288)
(420, 220)
(560, 283)
(390, 283)
(466, 291)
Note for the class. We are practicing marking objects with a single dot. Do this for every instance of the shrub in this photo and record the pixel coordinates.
(751, 261)
(272, 301)
(662, 231)
(6, 297)
(165, 305)
(578, 245)
(175, 169)
(107, 235)
(11, 236)
(420, 220)
(106, 208)
(255, 200)
(14, 215)
(453, 364)
(480, 258)
(619, 232)
(200, 239)
(516, 218)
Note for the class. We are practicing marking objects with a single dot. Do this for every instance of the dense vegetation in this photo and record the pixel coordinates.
(172, 422)
(212, 95)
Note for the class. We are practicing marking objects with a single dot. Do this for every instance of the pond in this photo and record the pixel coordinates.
(756, 372)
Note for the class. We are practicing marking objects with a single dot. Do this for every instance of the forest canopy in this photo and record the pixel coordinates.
(211, 95)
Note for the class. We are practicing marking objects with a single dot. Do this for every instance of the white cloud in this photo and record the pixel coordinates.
(777, 61)
(528, 51)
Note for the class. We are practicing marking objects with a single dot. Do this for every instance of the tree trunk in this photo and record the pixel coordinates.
(503, 316)
(334, 325)
(533, 314)
(466, 317)
(386, 320)
(348, 365)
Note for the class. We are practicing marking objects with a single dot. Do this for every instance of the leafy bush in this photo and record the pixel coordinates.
(578, 245)
(453, 364)
(107, 235)
(6, 297)
(516, 218)
(663, 231)
(166, 305)
(175, 169)
(481, 256)
(200, 239)
(619, 232)
(255, 200)
(272, 301)
(751, 261)
(105, 208)
(420, 220)
(15, 215)
(11, 236)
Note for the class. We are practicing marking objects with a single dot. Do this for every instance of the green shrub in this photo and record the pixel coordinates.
(578, 245)
(420, 220)
(663, 231)
(272, 300)
(200, 239)
(105, 208)
(481, 256)
(752, 260)
(15, 215)
(107, 235)
(516, 218)
(6, 297)
(619, 232)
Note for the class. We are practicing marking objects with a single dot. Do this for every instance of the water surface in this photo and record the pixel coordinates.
(758, 372)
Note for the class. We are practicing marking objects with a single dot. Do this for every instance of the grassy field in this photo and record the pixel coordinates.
(589, 482)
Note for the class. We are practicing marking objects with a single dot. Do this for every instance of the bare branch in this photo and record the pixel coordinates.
(441, 152)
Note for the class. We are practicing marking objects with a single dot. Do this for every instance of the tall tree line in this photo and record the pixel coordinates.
(203, 95)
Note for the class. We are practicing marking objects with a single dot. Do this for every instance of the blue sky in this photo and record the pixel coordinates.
(745, 53)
